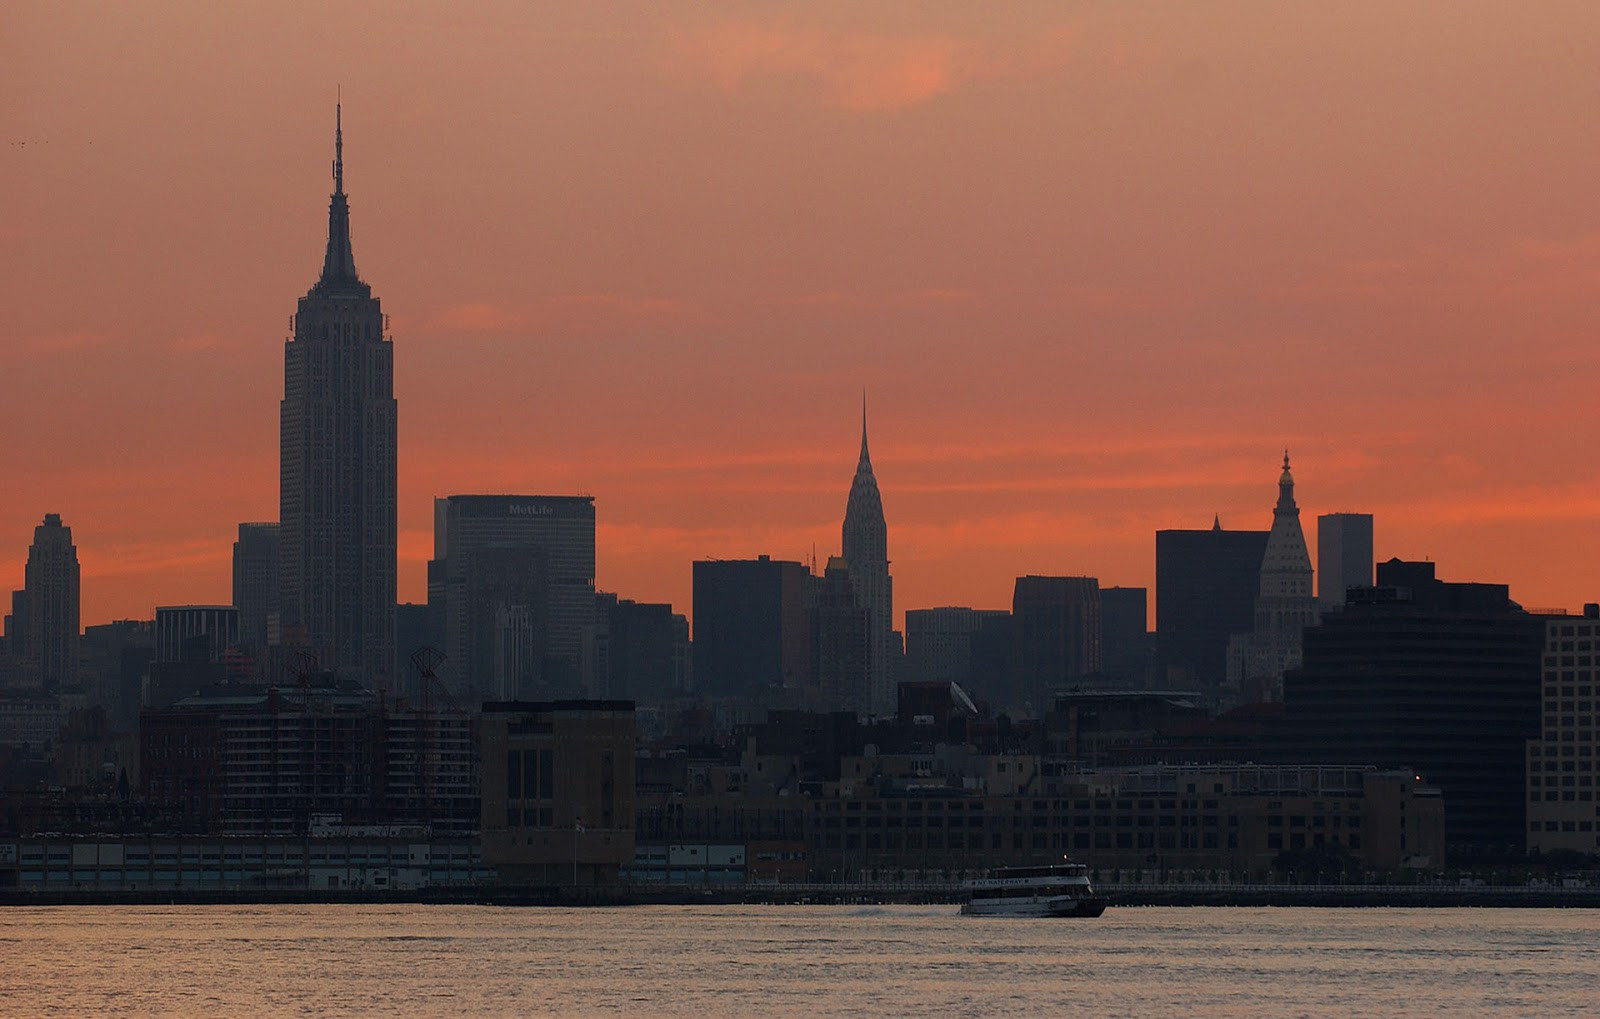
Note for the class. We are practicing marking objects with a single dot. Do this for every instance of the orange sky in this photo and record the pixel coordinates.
(1095, 264)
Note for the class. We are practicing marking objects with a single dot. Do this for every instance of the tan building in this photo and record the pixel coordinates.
(558, 790)
(1563, 767)
(1234, 819)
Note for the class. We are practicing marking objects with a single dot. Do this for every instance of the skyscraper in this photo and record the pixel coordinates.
(1057, 627)
(336, 565)
(50, 597)
(1206, 587)
(255, 582)
(512, 586)
(865, 550)
(1284, 606)
(752, 629)
(1344, 557)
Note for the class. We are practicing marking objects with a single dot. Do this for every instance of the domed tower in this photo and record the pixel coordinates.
(1285, 604)
(865, 548)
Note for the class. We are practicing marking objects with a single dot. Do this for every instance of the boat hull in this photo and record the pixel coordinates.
(1054, 906)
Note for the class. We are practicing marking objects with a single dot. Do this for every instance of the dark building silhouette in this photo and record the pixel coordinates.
(947, 644)
(512, 582)
(1206, 588)
(119, 654)
(49, 610)
(1056, 621)
(752, 628)
(841, 628)
(1563, 766)
(187, 633)
(336, 495)
(274, 760)
(644, 651)
(255, 584)
(1441, 678)
(865, 550)
(1344, 557)
(1124, 635)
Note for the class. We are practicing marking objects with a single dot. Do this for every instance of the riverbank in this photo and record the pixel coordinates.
(1330, 896)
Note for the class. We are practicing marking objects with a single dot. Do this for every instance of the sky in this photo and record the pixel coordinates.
(1095, 266)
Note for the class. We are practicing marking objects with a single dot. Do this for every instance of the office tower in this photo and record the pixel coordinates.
(752, 629)
(195, 633)
(336, 495)
(1284, 606)
(512, 583)
(865, 550)
(255, 584)
(1057, 625)
(1344, 557)
(939, 642)
(1563, 763)
(50, 608)
(1439, 678)
(635, 651)
(1206, 587)
(840, 656)
(1124, 635)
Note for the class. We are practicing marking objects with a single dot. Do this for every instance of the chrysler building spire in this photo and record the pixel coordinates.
(866, 554)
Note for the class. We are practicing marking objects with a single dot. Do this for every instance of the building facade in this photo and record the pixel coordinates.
(1206, 588)
(1344, 557)
(512, 584)
(337, 455)
(1563, 764)
(1057, 626)
(187, 633)
(752, 629)
(1437, 677)
(558, 790)
(49, 611)
(255, 585)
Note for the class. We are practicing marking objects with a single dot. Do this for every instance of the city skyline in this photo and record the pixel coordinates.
(1027, 298)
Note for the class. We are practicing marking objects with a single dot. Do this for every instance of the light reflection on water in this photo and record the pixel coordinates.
(450, 961)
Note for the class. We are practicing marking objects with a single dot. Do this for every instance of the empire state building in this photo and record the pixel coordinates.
(336, 495)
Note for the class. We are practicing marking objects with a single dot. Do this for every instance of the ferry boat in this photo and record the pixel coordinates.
(1060, 889)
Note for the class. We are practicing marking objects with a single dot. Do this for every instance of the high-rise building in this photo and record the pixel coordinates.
(635, 651)
(1057, 627)
(1564, 762)
(255, 584)
(50, 608)
(1206, 587)
(512, 584)
(336, 495)
(1124, 635)
(1440, 678)
(195, 633)
(865, 549)
(1285, 606)
(840, 659)
(1344, 557)
(752, 629)
(939, 641)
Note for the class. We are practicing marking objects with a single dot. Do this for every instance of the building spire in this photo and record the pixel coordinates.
(864, 458)
(338, 148)
(339, 263)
